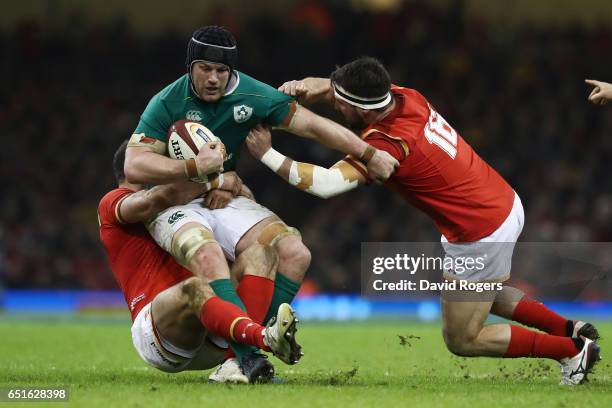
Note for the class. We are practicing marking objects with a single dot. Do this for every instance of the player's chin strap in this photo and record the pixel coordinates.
(316, 180)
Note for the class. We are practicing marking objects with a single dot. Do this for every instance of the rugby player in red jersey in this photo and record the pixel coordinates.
(469, 202)
(176, 315)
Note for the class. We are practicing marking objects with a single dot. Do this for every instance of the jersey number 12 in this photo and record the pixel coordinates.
(439, 132)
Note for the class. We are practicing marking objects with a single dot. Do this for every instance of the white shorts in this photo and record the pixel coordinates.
(491, 255)
(166, 357)
(227, 224)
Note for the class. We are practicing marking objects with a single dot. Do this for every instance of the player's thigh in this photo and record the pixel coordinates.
(251, 236)
(176, 312)
(236, 225)
(165, 225)
(149, 348)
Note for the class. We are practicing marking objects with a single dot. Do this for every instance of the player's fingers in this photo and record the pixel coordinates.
(593, 92)
(300, 88)
(285, 87)
(592, 82)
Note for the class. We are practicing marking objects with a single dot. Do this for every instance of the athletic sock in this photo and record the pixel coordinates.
(256, 293)
(533, 313)
(224, 289)
(529, 343)
(228, 321)
(285, 290)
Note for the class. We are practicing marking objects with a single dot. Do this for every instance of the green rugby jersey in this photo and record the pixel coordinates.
(247, 103)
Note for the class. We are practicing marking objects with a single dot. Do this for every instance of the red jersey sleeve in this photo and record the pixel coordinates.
(391, 146)
(107, 209)
(381, 142)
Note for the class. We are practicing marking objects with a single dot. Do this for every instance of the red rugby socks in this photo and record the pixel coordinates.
(533, 313)
(256, 294)
(528, 343)
(232, 323)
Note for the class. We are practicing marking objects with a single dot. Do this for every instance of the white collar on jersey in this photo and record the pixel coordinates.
(232, 84)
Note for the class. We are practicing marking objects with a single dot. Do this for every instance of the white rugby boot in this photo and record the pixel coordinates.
(280, 335)
(228, 372)
(574, 370)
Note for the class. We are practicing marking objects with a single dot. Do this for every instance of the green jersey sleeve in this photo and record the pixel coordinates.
(280, 107)
(155, 120)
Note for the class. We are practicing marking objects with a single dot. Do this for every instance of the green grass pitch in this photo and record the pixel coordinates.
(346, 364)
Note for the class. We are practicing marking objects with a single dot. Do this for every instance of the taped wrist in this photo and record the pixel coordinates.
(191, 169)
(216, 182)
(367, 154)
(273, 159)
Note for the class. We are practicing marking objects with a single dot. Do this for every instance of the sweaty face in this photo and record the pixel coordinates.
(209, 80)
(350, 114)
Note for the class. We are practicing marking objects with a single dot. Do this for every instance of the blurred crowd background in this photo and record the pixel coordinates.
(71, 93)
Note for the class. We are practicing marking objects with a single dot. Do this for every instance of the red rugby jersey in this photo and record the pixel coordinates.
(439, 172)
(141, 268)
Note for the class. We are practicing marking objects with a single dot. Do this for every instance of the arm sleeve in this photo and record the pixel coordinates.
(155, 120)
(107, 209)
(280, 109)
(381, 142)
(391, 146)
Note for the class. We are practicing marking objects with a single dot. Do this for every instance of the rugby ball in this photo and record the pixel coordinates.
(186, 138)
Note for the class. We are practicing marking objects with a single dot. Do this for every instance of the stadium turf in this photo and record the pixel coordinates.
(348, 364)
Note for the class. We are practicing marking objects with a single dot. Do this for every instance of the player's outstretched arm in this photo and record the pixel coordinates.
(305, 123)
(601, 93)
(313, 179)
(144, 165)
(145, 204)
(309, 90)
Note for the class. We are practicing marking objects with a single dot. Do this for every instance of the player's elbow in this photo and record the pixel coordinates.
(324, 193)
(130, 168)
(325, 188)
(131, 175)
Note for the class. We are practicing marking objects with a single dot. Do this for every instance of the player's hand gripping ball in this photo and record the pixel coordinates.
(185, 139)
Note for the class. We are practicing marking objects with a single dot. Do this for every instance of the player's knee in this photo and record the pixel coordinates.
(194, 292)
(294, 257)
(209, 262)
(458, 342)
(260, 260)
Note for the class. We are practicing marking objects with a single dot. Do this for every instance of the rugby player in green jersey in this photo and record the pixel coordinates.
(231, 103)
